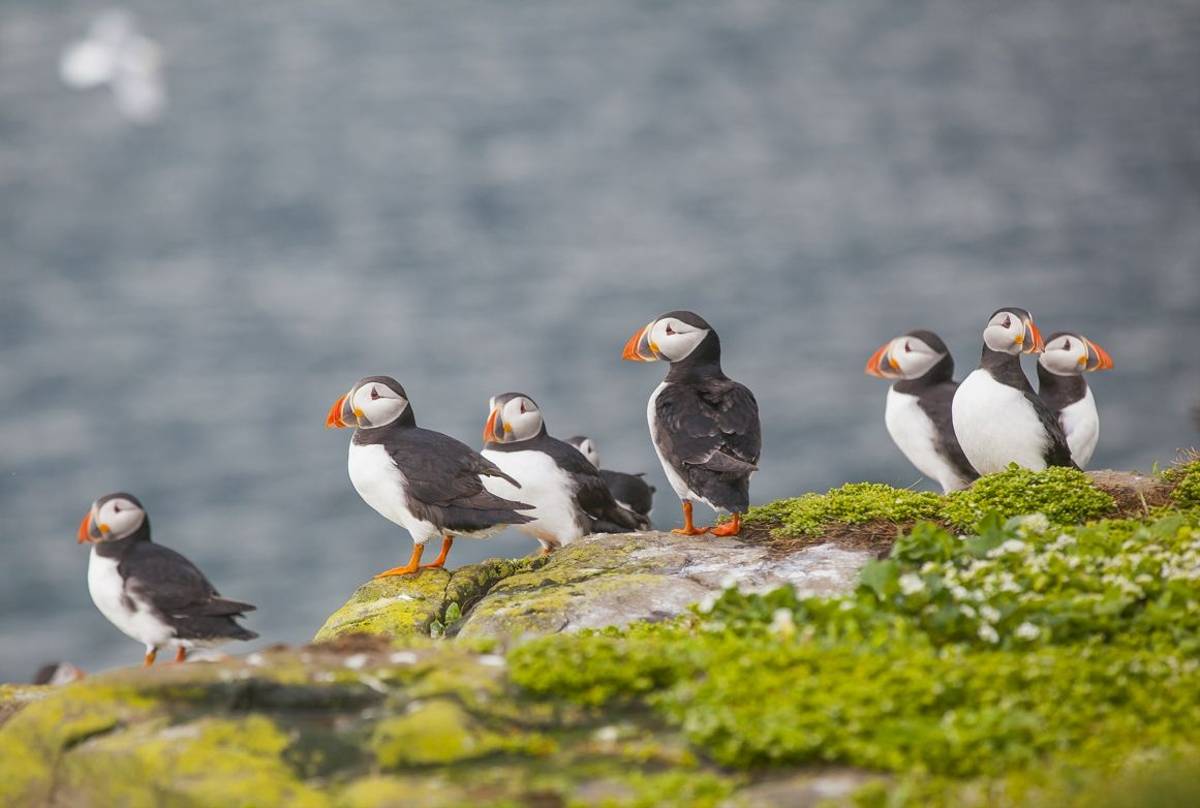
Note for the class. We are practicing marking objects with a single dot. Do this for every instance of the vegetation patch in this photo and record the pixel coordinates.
(1186, 477)
(1064, 496)
(1019, 660)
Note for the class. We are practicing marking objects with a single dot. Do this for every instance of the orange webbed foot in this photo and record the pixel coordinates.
(690, 530)
(730, 528)
(413, 565)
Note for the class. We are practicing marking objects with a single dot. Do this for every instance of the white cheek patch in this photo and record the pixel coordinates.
(999, 338)
(677, 345)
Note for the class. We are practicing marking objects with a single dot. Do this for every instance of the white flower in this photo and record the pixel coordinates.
(969, 611)
(989, 613)
(911, 583)
(707, 602)
(1014, 545)
(960, 592)
(1034, 523)
(1028, 631)
(987, 633)
(782, 622)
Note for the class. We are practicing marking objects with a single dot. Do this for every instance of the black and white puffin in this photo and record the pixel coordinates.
(629, 490)
(917, 414)
(150, 592)
(997, 417)
(568, 495)
(1062, 386)
(704, 425)
(428, 483)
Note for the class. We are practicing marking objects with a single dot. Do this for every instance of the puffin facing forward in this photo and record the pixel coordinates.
(152, 593)
(704, 425)
(569, 497)
(918, 406)
(1062, 386)
(997, 416)
(629, 490)
(428, 483)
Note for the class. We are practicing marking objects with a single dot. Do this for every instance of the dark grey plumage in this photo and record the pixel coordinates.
(707, 424)
(935, 393)
(174, 588)
(442, 484)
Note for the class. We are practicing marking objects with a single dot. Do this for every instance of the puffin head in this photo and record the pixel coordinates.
(587, 448)
(111, 518)
(512, 417)
(1070, 354)
(1011, 331)
(673, 336)
(373, 402)
(909, 356)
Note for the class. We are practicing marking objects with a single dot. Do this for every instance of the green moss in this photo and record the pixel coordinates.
(853, 503)
(1186, 478)
(441, 731)
(1065, 496)
(395, 606)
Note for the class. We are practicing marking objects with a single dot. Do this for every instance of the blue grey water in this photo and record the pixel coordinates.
(480, 197)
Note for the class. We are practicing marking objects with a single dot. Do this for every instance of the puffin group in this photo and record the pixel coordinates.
(704, 427)
(955, 432)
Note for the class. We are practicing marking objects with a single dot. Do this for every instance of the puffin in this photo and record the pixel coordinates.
(629, 490)
(428, 483)
(570, 499)
(704, 426)
(1061, 385)
(917, 413)
(150, 592)
(997, 416)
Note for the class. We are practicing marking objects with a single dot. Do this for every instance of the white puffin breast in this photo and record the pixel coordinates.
(996, 425)
(546, 487)
(381, 485)
(916, 436)
(106, 587)
(1081, 423)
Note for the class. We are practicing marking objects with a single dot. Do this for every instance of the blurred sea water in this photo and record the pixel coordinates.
(476, 198)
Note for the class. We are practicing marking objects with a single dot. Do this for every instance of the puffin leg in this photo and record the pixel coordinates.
(180, 654)
(447, 543)
(151, 653)
(688, 528)
(730, 528)
(412, 566)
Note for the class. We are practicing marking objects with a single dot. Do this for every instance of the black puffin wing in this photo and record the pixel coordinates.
(1057, 452)
(716, 426)
(938, 403)
(444, 472)
(173, 585)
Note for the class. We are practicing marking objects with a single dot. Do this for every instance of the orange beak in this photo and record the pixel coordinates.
(334, 419)
(1033, 338)
(85, 529)
(638, 348)
(882, 364)
(489, 429)
(1102, 360)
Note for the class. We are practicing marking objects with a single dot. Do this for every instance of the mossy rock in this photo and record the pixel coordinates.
(599, 581)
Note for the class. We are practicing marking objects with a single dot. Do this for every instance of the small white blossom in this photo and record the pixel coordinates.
(987, 633)
(1013, 546)
(968, 610)
(989, 613)
(782, 622)
(911, 583)
(707, 602)
(1034, 523)
(1028, 631)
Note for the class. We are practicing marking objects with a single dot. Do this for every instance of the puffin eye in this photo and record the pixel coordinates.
(116, 508)
(522, 407)
(1066, 345)
(1007, 322)
(374, 394)
(907, 348)
(670, 331)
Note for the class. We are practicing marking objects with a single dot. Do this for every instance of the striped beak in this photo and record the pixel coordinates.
(1031, 341)
(492, 430)
(1097, 357)
(341, 415)
(882, 365)
(89, 531)
(639, 348)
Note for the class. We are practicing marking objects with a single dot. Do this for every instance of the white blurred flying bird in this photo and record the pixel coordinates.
(115, 53)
